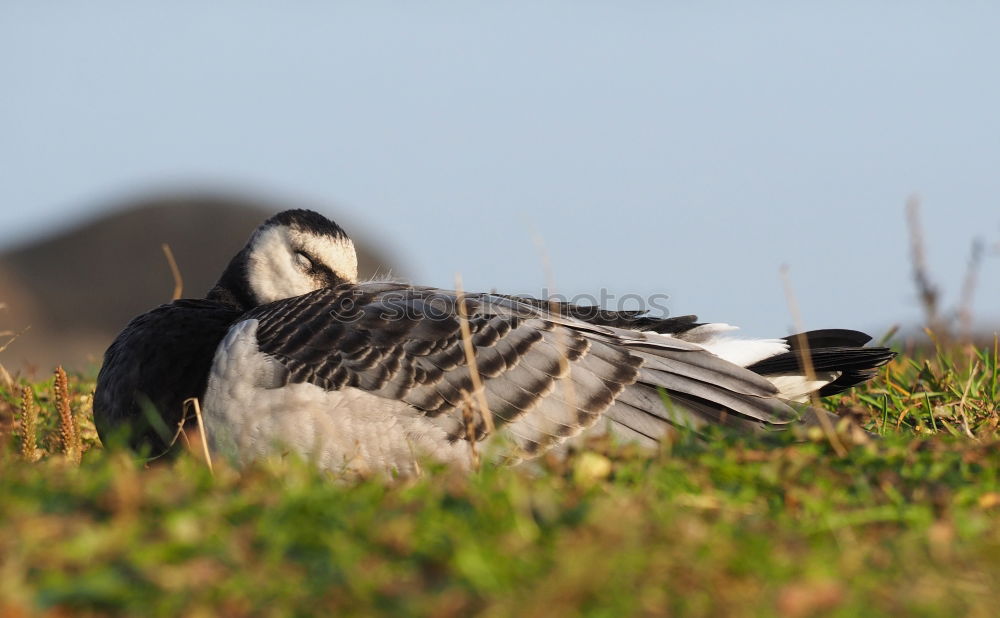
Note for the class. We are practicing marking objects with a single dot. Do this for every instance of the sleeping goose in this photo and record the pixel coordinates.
(289, 352)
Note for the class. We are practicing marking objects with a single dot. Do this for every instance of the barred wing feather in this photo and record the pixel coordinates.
(546, 376)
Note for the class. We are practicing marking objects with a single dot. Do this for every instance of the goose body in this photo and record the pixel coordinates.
(289, 352)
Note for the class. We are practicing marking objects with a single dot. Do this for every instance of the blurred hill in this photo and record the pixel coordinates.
(75, 290)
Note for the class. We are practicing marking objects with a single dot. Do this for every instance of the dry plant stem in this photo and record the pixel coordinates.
(11, 337)
(929, 294)
(562, 343)
(806, 361)
(177, 434)
(965, 396)
(29, 424)
(969, 290)
(68, 426)
(196, 405)
(470, 429)
(174, 270)
(470, 358)
(996, 362)
(5, 377)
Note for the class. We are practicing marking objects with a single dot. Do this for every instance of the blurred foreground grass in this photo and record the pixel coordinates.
(773, 525)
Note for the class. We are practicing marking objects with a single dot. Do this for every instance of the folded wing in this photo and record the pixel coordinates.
(546, 375)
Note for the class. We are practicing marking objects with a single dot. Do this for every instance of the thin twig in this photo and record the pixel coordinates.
(929, 294)
(12, 337)
(969, 289)
(174, 270)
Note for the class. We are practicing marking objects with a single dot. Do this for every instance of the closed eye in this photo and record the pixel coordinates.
(304, 261)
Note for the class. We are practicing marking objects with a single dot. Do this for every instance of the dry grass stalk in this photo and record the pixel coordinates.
(177, 435)
(174, 270)
(470, 358)
(965, 397)
(69, 425)
(805, 360)
(562, 336)
(29, 424)
(196, 405)
(5, 377)
(469, 418)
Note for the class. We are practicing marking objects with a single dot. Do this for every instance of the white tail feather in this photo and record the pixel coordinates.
(742, 352)
(798, 387)
(745, 352)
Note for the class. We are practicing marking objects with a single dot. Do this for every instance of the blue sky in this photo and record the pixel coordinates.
(655, 147)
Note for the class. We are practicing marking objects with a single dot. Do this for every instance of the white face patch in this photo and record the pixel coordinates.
(337, 254)
(276, 269)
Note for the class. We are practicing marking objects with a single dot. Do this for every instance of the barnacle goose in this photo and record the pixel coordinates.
(290, 352)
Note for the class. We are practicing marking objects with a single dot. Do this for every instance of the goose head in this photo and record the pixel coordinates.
(290, 254)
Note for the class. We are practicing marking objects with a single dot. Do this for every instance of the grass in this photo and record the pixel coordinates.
(742, 526)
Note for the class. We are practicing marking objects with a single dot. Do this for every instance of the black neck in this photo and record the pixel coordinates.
(233, 287)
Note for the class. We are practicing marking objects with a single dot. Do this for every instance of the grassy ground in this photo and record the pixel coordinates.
(793, 525)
